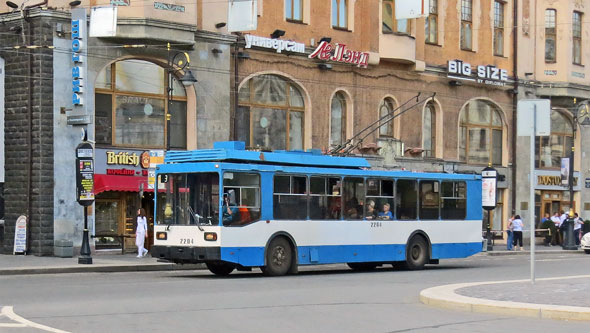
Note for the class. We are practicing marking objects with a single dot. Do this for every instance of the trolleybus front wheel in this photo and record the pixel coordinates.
(416, 253)
(279, 257)
(220, 268)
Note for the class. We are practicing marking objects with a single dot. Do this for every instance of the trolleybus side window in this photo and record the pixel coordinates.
(429, 200)
(453, 200)
(241, 203)
(406, 199)
(334, 198)
(290, 198)
(379, 193)
(318, 201)
(354, 198)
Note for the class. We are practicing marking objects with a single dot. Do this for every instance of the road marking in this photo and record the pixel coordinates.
(22, 322)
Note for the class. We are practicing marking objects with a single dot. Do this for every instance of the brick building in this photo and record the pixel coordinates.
(462, 53)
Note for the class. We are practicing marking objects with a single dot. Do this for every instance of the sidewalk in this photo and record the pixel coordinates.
(563, 298)
(500, 250)
(19, 264)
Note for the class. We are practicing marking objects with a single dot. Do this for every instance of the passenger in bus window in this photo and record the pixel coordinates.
(371, 211)
(386, 213)
(230, 210)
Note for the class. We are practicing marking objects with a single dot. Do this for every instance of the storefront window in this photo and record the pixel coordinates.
(270, 114)
(550, 149)
(131, 103)
(480, 133)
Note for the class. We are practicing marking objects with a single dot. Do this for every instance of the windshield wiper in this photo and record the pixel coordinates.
(196, 217)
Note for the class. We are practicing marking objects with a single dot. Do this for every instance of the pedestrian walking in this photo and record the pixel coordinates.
(510, 232)
(578, 222)
(141, 233)
(517, 230)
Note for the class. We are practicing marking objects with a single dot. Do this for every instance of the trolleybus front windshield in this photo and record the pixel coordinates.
(188, 199)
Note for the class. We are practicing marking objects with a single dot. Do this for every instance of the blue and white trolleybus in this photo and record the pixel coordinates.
(232, 208)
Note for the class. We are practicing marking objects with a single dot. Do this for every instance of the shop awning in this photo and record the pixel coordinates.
(104, 183)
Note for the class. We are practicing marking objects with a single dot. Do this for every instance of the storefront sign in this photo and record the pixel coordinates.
(78, 57)
(587, 182)
(340, 53)
(552, 72)
(79, 119)
(170, 7)
(84, 174)
(155, 157)
(489, 74)
(273, 43)
(551, 180)
(579, 75)
(122, 162)
(20, 235)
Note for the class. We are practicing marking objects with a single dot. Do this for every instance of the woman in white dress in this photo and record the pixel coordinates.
(141, 233)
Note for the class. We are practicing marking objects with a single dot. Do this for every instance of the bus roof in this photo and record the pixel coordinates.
(236, 151)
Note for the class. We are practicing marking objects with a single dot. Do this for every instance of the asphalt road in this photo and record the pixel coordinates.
(318, 299)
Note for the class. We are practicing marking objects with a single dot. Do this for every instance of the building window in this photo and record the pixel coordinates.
(270, 113)
(294, 10)
(577, 34)
(339, 14)
(338, 120)
(466, 24)
(131, 102)
(386, 108)
(480, 135)
(498, 28)
(550, 149)
(550, 35)
(389, 23)
(429, 131)
(431, 22)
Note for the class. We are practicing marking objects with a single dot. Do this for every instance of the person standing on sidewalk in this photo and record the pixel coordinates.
(548, 225)
(556, 236)
(510, 239)
(517, 230)
(578, 222)
(141, 233)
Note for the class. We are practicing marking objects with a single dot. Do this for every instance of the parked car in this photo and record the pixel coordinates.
(586, 243)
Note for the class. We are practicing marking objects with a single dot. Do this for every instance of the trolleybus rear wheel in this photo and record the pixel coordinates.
(220, 268)
(279, 257)
(416, 253)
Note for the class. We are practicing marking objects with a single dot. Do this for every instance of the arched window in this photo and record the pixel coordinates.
(550, 149)
(270, 113)
(429, 130)
(386, 128)
(338, 119)
(480, 137)
(130, 106)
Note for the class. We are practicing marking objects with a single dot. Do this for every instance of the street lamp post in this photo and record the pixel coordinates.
(580, 117)
(177, 61)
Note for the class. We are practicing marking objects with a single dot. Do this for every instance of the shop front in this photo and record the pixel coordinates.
(551, 195)
(121, 189)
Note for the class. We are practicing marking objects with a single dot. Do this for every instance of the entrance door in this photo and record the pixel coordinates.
(554, 202)
(109, 212)
(147, 202)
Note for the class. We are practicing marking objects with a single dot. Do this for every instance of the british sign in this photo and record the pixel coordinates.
(340, 53)
(492, 75)
(122, 162)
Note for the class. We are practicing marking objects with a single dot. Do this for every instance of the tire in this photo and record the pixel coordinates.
(587, 251)
(220, 268)
(416, 253)
(279, 257)
(362, 266)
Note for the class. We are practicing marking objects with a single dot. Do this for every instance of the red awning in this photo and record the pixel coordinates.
(104, 183)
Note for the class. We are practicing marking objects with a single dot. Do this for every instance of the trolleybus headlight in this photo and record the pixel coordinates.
(161, 235)
(210, 236)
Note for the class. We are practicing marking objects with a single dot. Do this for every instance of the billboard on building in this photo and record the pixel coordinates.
(242, 15)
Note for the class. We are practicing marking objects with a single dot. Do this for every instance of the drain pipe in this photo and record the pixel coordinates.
(514, 101)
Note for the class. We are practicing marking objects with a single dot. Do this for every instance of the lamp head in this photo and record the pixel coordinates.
(188, 78)
(277, 33)
(11, 5)
(75, 3)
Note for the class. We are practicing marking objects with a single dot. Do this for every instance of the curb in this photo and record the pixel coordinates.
(445, 297)
(516, 253)
(100, 269)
